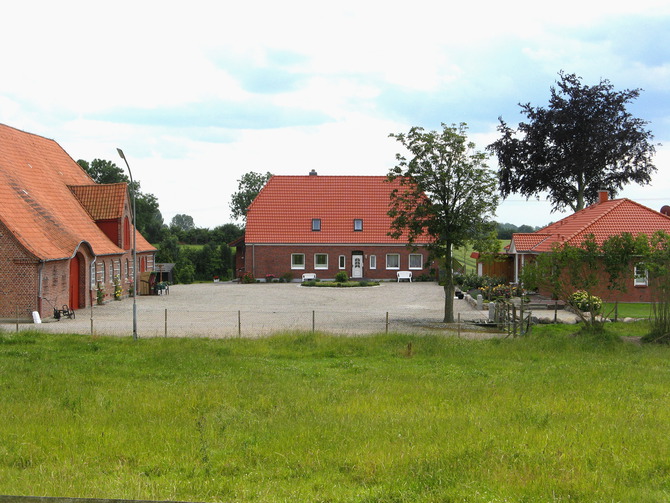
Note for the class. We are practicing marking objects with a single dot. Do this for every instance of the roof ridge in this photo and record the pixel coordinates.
(27, 132)
(598, 216)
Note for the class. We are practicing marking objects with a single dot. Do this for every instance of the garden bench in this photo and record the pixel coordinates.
(404, 275)
(308, 276)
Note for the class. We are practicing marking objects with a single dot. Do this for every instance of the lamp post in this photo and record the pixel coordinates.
(134, 248)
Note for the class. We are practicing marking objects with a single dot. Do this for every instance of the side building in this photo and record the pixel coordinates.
(324, 225)
(64, 240)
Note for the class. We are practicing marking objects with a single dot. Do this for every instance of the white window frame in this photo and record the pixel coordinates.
(640, 275)
(293, 262)
(320, 266)
(103, 272)
(420, 266)
(358, 224)
(373, 261)
(342, 261)
(316, 224)
(394, 268)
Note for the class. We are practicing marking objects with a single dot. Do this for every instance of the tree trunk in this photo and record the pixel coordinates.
(449, 287)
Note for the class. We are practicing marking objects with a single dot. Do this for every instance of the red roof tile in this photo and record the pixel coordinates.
(603, 219)
(38, 207)
(103, 202)
(283, 211)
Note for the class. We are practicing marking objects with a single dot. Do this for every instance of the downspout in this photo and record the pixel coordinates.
(39, 287)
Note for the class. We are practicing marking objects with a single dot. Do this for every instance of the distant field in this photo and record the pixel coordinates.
(308, 417)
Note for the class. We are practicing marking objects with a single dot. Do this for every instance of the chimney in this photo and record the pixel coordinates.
(666, 210)
(603, 196)
(312, 173)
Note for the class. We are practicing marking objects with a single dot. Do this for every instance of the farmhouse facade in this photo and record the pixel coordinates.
(64, 240)
(323, 225)
(606, 218)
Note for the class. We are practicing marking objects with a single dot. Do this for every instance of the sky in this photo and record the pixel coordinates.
(198, 93)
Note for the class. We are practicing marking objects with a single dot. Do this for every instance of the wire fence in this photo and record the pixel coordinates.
(238, 323)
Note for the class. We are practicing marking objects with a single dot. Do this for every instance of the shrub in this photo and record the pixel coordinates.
(248, 278)
(287, 277)
(585, 302)
(341, 277)
(269, 278)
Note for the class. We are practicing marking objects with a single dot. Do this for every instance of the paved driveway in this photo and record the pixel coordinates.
(230, 309)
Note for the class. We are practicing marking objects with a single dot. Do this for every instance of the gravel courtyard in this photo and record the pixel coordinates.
(231, 310)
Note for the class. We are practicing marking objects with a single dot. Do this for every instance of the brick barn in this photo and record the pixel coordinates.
(63, 237)
(324, 225)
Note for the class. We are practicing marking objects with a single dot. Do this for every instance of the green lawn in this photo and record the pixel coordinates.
(628, 309)
(310, 417)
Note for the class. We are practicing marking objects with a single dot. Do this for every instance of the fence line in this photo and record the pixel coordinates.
(238, 323)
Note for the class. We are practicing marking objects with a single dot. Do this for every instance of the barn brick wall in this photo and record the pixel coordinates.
(18, 278)
(262, 260)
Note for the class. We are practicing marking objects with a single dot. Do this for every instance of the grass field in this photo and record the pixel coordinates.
(309, 417)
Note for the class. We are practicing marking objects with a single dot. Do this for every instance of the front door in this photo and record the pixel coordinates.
(357, 266)
(74, 282)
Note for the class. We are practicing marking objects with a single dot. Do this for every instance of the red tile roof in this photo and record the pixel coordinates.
(603, 219)
(103, 202)
(283, 211)
(38, 207)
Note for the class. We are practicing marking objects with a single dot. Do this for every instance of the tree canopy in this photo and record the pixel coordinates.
(584, 141)
(248, 188)
(182, 222)
(446, 192)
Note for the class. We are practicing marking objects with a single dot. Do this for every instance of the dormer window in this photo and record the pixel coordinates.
(358, 224)
(316, 224)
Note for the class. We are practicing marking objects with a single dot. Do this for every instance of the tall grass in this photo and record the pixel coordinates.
(308, 417)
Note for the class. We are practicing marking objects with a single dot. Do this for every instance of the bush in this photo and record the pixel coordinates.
(287, 277)
(585, 302)
(341, 277)
(248, 278)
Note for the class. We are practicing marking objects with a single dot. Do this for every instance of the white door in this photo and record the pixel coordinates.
(357, 266)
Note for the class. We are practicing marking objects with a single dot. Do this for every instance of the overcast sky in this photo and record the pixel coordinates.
(198, 93)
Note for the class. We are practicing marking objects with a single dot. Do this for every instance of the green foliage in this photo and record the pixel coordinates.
(99, 293)
(341, 277)
(182, 222)
(320, 418)
(118, 289)
(168, 250)
(584, 141)
(248, 278)
(586, 302)
(247, 189)
(287, 277)
(446, 192)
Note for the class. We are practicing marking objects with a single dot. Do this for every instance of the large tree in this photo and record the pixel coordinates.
(584, 141)
(248, 188)
(446, 192)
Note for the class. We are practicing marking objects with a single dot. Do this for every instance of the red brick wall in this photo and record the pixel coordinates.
(271, 259)
(18, 278)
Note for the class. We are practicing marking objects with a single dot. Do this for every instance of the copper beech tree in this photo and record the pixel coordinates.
(446, 191)
(584, 141)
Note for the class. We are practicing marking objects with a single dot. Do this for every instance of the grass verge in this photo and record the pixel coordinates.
(310, 417)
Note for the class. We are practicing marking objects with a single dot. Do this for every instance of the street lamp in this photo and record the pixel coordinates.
(134, 247)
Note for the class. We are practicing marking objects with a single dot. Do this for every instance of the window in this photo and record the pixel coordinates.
(320, 261)
(316, 224)
(297, 261)
(641, 275)
(358, 224)
(415, 261)
(343, 262)
(393, 261)
(103, 276)
(373, 261)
